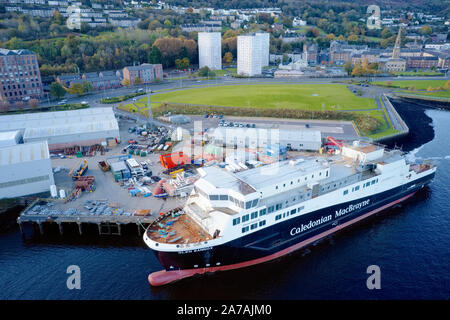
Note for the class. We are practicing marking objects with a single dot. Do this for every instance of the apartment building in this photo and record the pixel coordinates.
(19, 75)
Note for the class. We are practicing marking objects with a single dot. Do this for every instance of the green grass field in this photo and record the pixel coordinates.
(334, 97)
(277, 100)
(417, 84)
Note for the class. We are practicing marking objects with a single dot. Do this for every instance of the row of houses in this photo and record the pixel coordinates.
(144, 73)
(416, 57)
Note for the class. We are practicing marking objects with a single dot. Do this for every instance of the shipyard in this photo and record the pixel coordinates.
(171, 150)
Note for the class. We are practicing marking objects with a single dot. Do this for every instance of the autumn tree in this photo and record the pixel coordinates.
(228, 57)
(76, 88)
(125, 82)
(33, 103)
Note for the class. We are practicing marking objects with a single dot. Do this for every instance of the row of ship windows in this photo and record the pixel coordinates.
(306, 178)
(238, 203)
(365, 185)
(263, 212)
(287, 213)
(253, 226)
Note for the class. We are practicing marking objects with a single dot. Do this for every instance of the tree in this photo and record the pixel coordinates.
(167, 23)
(33, 103)
(357, 70)
(19, 105)
(228, 57)
(348, 67)
(57, 90)
(285, 58)
(4, 106)
(312, 33)
(205, 72)
(154, 56)
(426, 30)
(76, 88)
(182, 63)
(125, 82)
(87, 86)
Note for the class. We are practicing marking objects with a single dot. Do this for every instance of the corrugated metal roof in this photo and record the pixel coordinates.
(24, 153)
(74, 128)
(49, 119)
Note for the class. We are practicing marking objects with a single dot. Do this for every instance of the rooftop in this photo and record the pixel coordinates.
(23, 153)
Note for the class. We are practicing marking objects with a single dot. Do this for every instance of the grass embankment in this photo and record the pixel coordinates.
(418, 73)
(320, 102)
(121, 98)
(405, 84)
(62, 107)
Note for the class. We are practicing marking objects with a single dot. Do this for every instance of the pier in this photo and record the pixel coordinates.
(109, 218)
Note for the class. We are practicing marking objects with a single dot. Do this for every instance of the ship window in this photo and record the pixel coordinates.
(270, 209)
(254, 226)
(262, 212)
(248, 205)
(312, 176)
(278, 206)
(293, 211)
(213, 197)
(292, 182)
(223, 197)
(356, 188)
(255, 202)
(245, 218)
(276, 187)
(373, 181)
(278, 217)
(306, 178)
(241, 204)
(300, 208)
(236, 221)
(284, 184)
(244, 229)
(254, 215)
(262, 223)
(284, 214)
(327, 173)
(345, 192)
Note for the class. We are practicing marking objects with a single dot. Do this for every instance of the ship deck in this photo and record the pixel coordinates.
(177, 228)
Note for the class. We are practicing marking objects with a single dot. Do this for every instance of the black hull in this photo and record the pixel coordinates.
(285, 236)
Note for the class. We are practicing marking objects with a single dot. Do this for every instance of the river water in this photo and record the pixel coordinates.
(410, 244)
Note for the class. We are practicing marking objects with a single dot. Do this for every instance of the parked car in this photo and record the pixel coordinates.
(156, 178)
(241, 125)
(206, 115)
(220, 116)
(253, 125)
(132, 141)
(307, 125)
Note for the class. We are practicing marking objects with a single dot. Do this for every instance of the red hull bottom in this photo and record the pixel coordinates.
(163, 277)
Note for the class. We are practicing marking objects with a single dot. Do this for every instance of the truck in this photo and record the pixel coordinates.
(104, 166)
(79, 169)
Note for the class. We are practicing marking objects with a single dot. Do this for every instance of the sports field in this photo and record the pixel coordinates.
(326, 97)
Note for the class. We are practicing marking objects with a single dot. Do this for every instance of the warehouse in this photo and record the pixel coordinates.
(65, 129)
(25, 169)
(254, 138)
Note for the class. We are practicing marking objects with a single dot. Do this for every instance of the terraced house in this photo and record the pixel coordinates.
(20, 77)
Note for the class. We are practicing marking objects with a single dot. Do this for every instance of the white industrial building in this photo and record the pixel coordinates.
(25, 169)
(254, 138)
(210, 50)
(10, 138)
(253, 53)
(64, 129)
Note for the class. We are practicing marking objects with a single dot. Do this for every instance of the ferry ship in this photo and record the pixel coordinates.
(235, 220)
